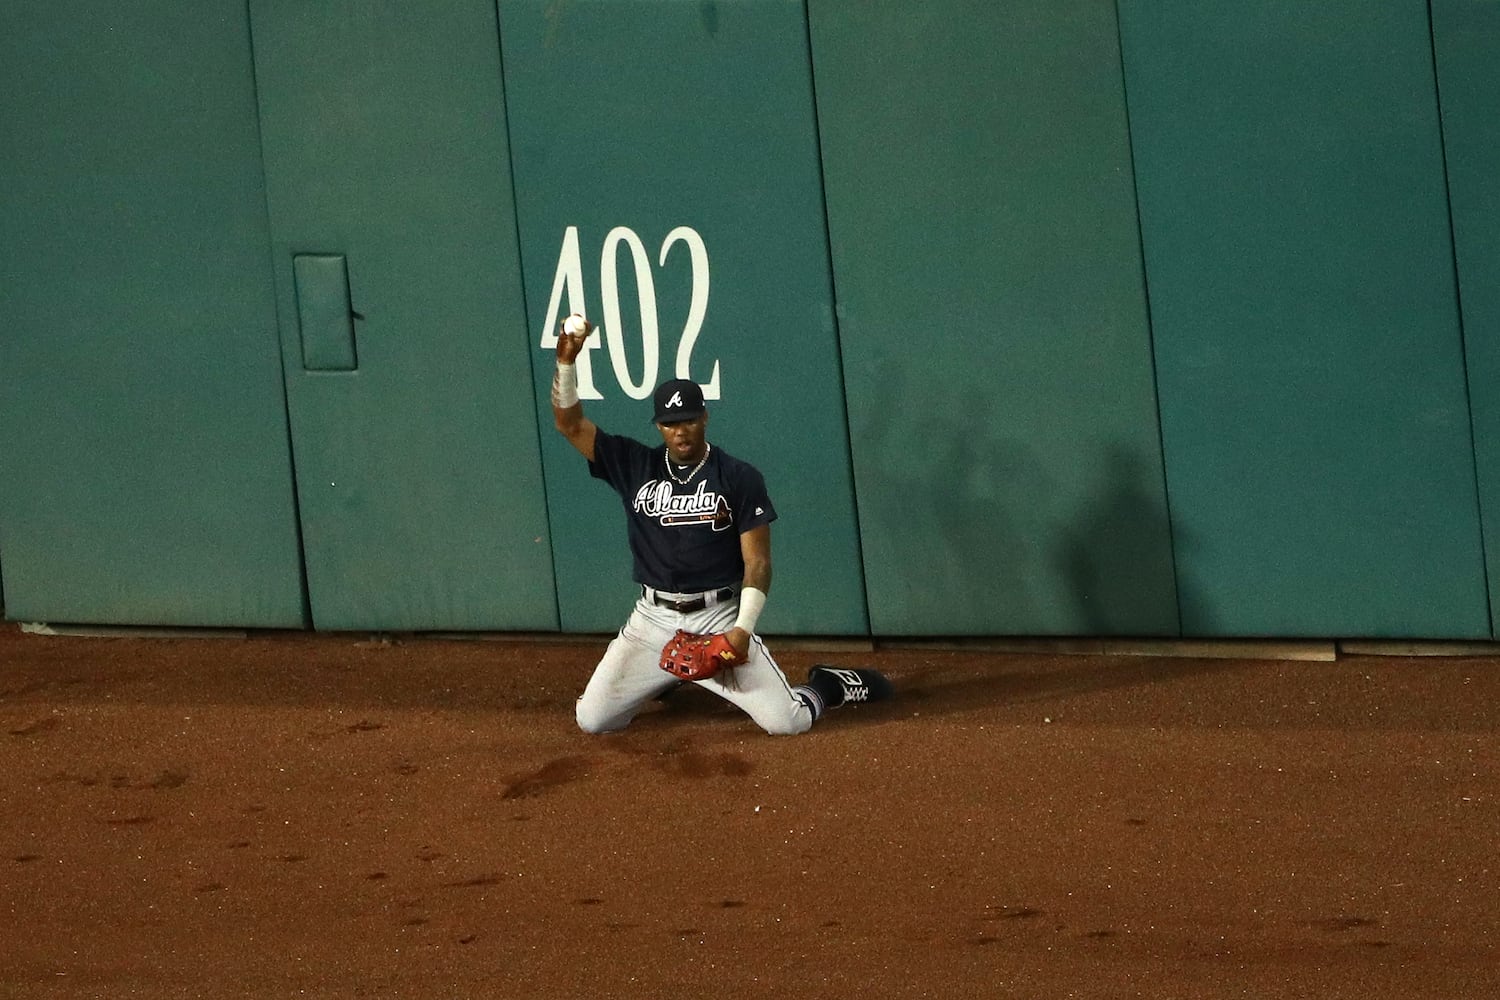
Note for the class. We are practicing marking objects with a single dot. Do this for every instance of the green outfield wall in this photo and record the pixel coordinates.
(1466, 37)
(418, 472)
(1309, 353)
(1081, 318)
(145, 475)
(993, 318)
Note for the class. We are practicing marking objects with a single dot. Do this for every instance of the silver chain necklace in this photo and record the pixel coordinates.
(683, 482)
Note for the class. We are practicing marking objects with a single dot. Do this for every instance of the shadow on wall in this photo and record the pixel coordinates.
(972, 525)
(1118, 550)
(938, 497)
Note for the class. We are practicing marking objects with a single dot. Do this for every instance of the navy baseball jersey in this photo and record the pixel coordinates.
(684, 538)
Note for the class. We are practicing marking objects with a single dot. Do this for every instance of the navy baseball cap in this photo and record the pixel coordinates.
(677, 400)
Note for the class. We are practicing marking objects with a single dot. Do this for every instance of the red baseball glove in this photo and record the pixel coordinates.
(692, 656)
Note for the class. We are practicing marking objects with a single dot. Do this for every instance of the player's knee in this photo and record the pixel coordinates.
(790, 725)
(589, 719)
(594, 721)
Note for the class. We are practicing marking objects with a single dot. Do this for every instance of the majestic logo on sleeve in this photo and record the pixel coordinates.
(675, 510)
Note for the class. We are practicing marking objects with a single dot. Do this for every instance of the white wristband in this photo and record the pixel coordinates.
(752, 601)
(565, 386)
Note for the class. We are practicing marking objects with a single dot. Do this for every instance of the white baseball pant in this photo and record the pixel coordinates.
(630, 675)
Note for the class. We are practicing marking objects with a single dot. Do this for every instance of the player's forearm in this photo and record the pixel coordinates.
(567, 419)
(755, 553)
(567, 411)
(758, 575)
(565, 393)
(752, 603)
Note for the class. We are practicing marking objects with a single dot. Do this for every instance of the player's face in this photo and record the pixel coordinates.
(684, 439)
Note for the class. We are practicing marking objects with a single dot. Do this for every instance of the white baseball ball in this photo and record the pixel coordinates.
(575, 325)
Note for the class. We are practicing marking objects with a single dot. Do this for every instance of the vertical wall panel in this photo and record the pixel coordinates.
(993, 319)
(648, 126)
(1302, 298)
(418, 470)
(1467, 43)
(144, 474)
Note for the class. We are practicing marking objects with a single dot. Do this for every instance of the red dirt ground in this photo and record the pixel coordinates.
(336, 816)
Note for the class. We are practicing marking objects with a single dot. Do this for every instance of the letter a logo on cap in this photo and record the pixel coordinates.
(677, 399)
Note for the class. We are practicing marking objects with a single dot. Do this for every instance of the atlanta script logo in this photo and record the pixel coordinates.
(702, 506)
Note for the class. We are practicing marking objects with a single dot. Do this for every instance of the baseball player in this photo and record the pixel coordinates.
(699, 527)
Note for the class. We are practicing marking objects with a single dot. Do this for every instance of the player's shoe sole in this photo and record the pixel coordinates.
(859, 685)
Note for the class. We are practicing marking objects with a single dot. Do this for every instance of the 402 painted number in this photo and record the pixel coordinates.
(568, 281)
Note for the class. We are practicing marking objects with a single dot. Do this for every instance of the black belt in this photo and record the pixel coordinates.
(692, 603)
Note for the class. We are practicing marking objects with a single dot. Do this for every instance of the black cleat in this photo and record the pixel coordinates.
(852, 685)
